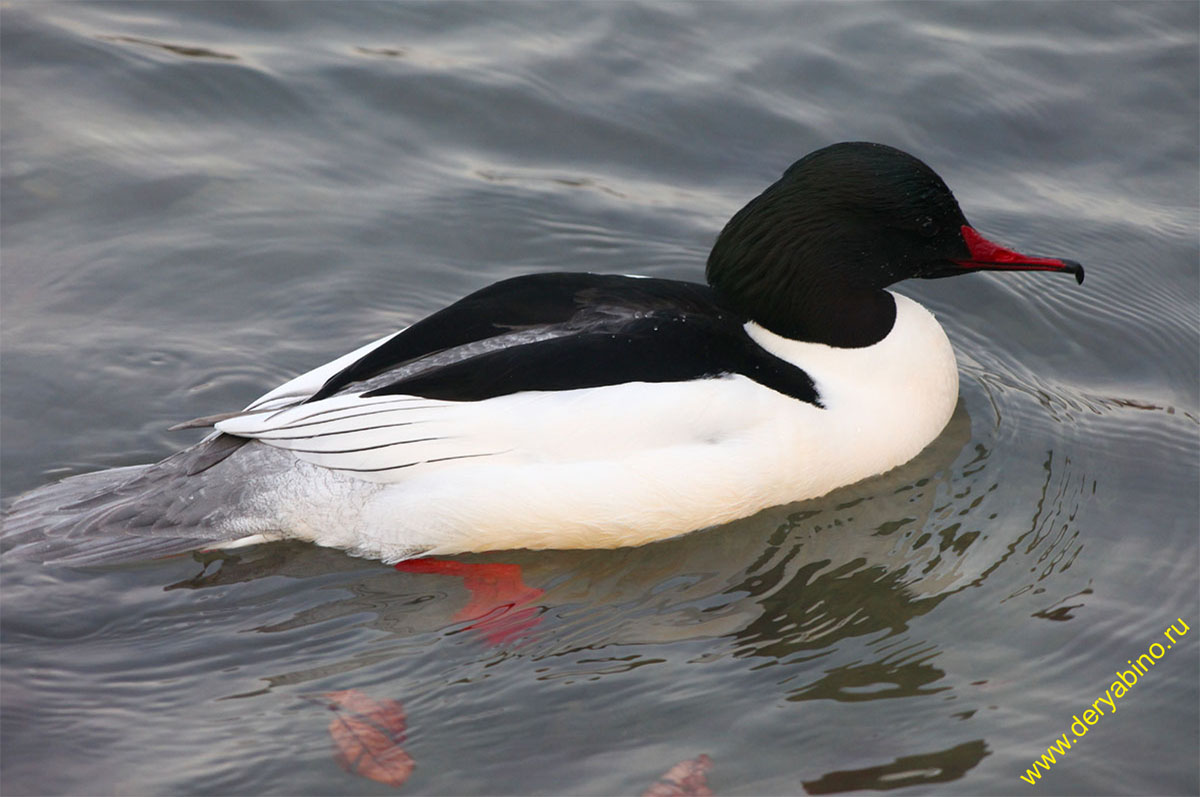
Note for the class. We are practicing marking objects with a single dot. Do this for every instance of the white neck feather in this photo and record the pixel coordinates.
(885, 402)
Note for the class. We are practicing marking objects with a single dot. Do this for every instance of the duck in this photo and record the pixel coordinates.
(580, 410)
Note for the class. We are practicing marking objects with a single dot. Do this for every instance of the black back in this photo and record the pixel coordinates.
(596, 330)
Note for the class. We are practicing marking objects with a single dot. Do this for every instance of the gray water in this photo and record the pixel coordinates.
(201, 200)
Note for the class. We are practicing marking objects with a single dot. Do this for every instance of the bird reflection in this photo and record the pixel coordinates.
(866, 558)
(782, 589)
(940, 766)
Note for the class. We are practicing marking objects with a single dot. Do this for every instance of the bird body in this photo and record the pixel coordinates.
(582, 410)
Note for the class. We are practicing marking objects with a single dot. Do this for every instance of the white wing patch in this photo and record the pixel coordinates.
(395, 438)
(380, 438)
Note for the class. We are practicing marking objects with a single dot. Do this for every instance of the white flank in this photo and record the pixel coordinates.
(391, 476)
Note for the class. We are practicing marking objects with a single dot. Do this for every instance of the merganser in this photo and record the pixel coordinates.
(577, 410)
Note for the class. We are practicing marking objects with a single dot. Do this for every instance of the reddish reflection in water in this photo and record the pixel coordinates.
(499, 597)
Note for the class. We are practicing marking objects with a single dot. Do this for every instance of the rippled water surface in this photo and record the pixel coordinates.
(201, 199)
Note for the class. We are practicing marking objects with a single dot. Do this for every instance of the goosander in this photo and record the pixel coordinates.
(574, 410)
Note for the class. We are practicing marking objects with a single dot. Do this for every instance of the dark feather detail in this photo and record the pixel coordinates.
(211, 451)
(599, 330)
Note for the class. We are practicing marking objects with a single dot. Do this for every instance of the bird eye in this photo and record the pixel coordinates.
(927, 227)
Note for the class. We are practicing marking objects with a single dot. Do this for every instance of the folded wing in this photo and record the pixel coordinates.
(465, 382)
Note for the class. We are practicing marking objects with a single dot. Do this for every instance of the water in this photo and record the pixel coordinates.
(201, 199)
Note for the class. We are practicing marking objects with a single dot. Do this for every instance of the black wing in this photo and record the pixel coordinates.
(565, 332)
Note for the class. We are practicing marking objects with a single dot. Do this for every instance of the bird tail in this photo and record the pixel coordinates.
(124, 514)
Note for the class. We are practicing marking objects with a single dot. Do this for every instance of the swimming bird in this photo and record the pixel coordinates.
(575, 410)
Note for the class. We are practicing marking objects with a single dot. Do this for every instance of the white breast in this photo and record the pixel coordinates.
(883, 403)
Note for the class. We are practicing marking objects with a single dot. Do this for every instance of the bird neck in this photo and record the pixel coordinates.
(835, 316)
